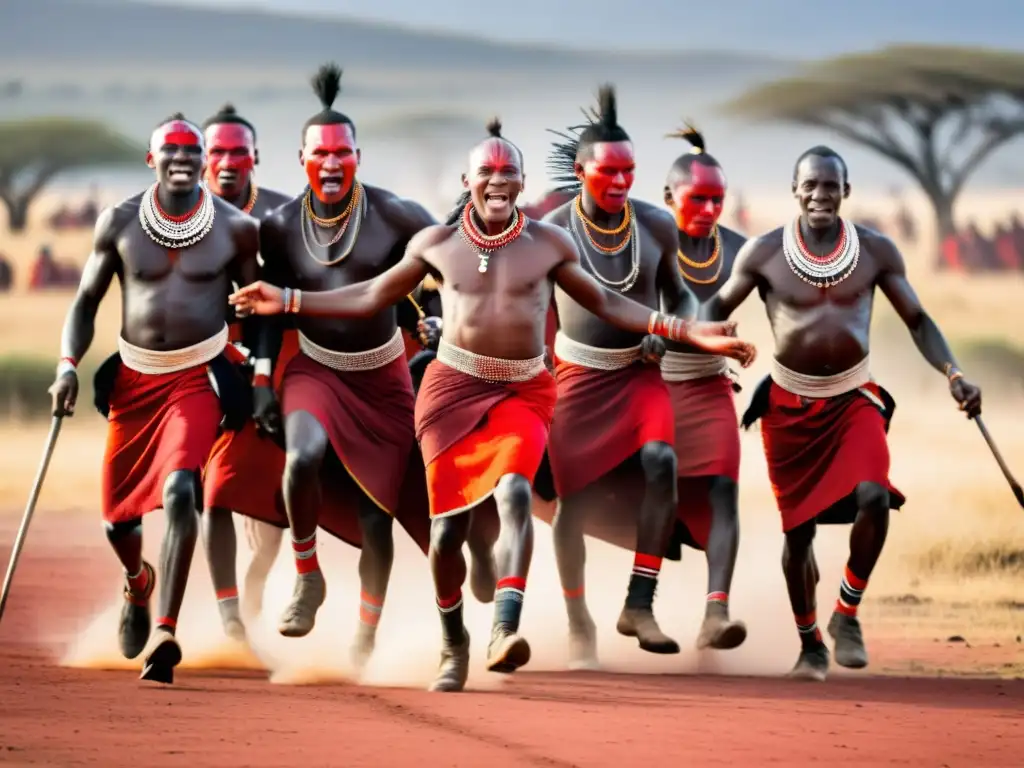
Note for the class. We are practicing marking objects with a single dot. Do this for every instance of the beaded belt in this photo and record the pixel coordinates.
(369, 360)
(690, 366)
(496, 369)
(820, 387)
(598, 358)
(154, 362)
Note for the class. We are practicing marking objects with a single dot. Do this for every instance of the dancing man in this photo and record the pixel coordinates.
(347, 397)
(823, 419)
(485, 405)
(613, 421)
(707, 441)
(241, 462)
(175, 250)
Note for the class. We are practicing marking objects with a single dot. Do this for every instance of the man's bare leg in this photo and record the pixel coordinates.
(483, 568)
(179, 544)
(375, 563)
(448, 567)
(654, 526)
(264, 543)
(307, 445)
(866, 541)
(140, 579)
(571, 559)
(508, 650)
(718, 631)
(801, 572)
(221, 547)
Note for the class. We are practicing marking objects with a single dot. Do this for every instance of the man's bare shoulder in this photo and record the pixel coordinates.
(273, 199)
(731, 238)
(236, 219)
(403, 214)
(657, 220)
(560, 216)
(112, 220)
(758, 251)
(279, 218)
(429, 238)
(553, 235)
(881, 248)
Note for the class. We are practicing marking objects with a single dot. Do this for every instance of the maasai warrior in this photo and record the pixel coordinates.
(175, 249)
(347, 397)
(823, 419)
(485, 405)
(707, 439)
(613, 408)
(239, 459)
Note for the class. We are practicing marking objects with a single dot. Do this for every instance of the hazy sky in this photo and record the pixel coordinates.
(796, 28)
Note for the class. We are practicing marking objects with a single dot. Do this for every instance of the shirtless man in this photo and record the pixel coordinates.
(485, 405)
(707, 440)
(347, 397)
(239, 459)
(175, 250)
(613, 422)
(823, 419)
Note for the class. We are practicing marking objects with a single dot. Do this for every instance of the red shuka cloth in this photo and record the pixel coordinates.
(707, 445)
(472, 432)
(602, 418)
(368, 417)
(818, 451)
(158, 424)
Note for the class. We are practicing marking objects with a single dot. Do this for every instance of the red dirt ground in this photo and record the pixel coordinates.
(64, 717)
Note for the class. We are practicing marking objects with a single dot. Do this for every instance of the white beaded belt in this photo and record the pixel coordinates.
(496, 369)
(821, 387)
(598, 358)
(369, 360)
(690, 366)
(154, 362)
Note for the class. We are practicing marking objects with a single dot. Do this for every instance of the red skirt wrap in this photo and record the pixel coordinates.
(707, 445)
(158, 424)
(602, 418)
(473, 432)
(245, 468)
(818, 451)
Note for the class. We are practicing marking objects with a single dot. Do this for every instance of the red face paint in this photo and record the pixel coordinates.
(230, 158)
(697, 201)
(176, 133)
(608, 174)
(495, 180)
(330, 158)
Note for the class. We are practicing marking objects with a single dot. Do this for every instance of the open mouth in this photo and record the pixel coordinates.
(496, 200)
(330, 185)
(181, 173)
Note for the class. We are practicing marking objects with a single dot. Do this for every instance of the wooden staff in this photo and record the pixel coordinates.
(1014, 485)
(19, 542)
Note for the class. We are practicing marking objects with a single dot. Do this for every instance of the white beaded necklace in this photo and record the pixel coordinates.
(176, 235)
(630, 279)
(817, 271)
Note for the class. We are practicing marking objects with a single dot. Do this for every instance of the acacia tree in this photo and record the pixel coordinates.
(937, 112)
(33, 152)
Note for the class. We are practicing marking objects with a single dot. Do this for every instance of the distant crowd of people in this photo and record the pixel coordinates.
(45, 273)
(970, 251)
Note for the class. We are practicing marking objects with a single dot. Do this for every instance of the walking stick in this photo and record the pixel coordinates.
(19, 542)
(1014, 485)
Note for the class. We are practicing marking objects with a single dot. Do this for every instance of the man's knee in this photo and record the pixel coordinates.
(448, 534)
(799, 541)
(305, 458)
(872, 497)
(514, 497)
(376, 524)
(180, 495)
(659, 463)
(119, 531)
(723, 493)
